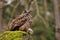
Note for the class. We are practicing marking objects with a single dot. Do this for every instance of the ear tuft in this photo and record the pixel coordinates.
(25, 11)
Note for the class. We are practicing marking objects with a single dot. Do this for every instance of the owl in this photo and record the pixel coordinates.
(22, 22)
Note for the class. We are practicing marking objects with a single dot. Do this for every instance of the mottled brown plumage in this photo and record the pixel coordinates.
(22, 22)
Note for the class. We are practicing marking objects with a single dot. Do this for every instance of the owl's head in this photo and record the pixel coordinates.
(27, 11)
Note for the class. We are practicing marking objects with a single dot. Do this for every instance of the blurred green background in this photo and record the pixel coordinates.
(43, 23)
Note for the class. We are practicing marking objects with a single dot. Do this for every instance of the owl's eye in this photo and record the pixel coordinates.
(29, 12)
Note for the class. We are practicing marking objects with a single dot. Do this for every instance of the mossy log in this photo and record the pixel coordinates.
(13, 35)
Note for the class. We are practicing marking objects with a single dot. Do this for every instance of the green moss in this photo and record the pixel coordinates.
(12, 35)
